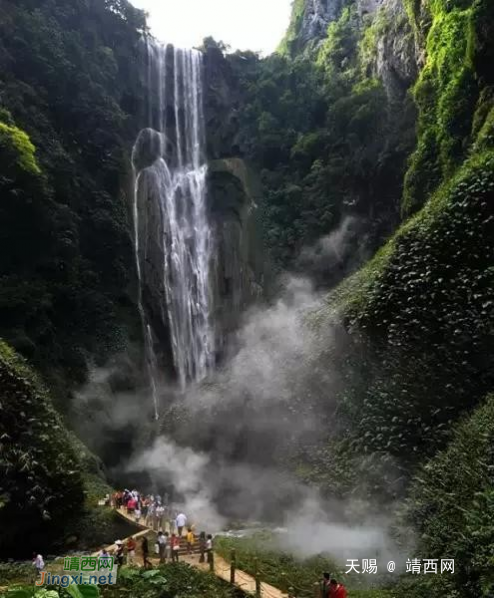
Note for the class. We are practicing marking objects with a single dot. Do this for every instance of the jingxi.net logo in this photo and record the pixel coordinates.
(85, 570)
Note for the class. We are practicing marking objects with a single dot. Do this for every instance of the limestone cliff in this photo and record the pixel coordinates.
(316, 17)
(239, 271)
(397, 54)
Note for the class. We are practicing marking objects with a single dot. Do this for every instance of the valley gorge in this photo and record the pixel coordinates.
(251, 282)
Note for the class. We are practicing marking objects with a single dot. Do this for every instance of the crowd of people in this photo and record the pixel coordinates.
(151, 511)
(154, 512)
(167, 548)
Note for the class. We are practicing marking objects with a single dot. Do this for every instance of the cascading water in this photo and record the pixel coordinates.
(173, 240)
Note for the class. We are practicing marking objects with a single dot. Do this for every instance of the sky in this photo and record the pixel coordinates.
(257, 25)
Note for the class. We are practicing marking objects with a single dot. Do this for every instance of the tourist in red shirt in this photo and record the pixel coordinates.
(131, 505)
(337, 590)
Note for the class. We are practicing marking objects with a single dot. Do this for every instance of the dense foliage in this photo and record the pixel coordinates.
(261, 553)
(418, 318)
(454, 91)
(452, 505)
(321, 130)
(168, 581)
(427, 354)
(334, 143)
(40, 481)
(68, 81)
(423, 357)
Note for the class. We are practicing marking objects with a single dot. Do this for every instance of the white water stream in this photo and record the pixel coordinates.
(178, 183)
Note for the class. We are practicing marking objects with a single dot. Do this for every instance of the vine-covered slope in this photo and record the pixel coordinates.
(420, 316)
(423, 305)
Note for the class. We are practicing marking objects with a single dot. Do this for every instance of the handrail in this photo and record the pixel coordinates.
(261, 587)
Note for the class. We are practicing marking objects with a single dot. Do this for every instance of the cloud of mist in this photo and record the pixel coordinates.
(228, 454)
(184, 470)
(108, 411)
(315, 527)
(335, 255)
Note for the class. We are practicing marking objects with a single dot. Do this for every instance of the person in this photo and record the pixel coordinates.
(159, 516)
(150, 515)
(131, 550)
(162, 547)
(337, 590)
(180, 522)
(119, 552)
(171, 520)
(325, 585)
(168, 549)
(144, 509)
(175, 542)
(145, 554)
(131, 505)
(137, 513)
(38, 562)
(209, 548)
(190, 540)
(202, 546)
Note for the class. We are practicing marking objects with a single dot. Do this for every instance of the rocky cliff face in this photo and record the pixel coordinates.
(397, 55)
(239, 271)
(397, 58)
(316, 17)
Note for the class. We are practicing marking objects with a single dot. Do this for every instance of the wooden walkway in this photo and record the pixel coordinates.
(243, 581)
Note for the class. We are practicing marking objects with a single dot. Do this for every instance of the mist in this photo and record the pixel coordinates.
(226, 450)
(335, 255)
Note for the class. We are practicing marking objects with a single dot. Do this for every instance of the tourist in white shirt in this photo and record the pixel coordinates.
(180, 522)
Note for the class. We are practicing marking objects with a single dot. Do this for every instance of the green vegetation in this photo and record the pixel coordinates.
(280, 569)
(168, 581)
(69, 84)
(39, 469)
(290, 43)
(415, 358)
(46, 473)
(451, 504)
(448, 93)
(283, 570)
(17, 151)
(422, 355)
(417, 318)
(318, 128)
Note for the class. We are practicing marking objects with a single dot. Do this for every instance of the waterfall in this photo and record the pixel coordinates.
(173, 240)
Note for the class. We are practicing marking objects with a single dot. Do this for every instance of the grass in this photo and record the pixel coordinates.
(283, 570)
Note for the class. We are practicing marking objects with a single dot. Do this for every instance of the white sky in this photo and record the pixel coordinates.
(257, 25)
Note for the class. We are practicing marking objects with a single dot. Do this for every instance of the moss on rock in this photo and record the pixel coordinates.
(448, 92)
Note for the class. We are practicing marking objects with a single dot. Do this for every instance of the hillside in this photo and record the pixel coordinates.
(359, 157)
(69, 82)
